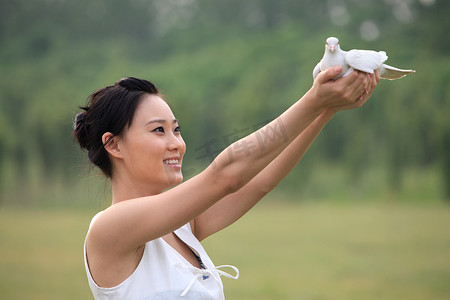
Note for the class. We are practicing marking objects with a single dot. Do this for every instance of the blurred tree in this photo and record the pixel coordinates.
(217, 61)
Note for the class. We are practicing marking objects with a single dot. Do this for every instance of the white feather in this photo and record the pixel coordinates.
(365, 60)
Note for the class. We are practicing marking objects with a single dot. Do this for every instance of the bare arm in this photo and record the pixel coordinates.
(233, 206)
(128, 224)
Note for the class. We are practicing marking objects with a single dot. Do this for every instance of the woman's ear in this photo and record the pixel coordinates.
(111, 144)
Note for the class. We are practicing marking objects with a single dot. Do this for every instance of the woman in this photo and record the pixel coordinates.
(146, 244)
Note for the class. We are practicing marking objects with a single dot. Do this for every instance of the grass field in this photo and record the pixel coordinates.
(286, 251)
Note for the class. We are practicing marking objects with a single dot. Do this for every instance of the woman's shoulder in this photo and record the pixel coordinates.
(94, 218)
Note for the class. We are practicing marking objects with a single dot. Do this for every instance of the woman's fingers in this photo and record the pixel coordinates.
(357, 87)
(372, 82)
(328, 74)
(367, 88)
(369, 84)
(377, 76)
(374, 79)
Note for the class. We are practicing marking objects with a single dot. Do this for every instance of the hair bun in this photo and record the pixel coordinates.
(80, 130)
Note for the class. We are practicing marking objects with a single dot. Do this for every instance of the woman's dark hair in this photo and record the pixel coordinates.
(109, 110)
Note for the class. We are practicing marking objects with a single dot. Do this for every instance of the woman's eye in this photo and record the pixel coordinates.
(159, 129)
(177, 129)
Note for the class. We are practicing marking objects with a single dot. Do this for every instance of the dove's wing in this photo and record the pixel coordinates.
(365, 60)
(316, 70)
(389, 72)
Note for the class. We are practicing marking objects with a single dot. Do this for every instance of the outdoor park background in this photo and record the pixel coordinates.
(364, 216)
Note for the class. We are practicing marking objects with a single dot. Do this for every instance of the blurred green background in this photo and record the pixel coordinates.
(364, 216)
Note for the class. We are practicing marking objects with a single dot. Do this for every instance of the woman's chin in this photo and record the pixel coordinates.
(175, 180)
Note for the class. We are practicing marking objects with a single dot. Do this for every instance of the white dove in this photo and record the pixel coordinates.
(362, 60)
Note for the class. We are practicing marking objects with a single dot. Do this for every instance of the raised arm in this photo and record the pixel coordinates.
(129, 224)
(233, 206)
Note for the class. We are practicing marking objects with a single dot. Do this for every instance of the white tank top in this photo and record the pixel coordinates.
(163, 273)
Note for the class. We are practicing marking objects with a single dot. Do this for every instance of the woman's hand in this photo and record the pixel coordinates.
(373, 80)
(344, 93)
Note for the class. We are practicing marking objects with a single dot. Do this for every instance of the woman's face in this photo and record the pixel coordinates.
(152, 147)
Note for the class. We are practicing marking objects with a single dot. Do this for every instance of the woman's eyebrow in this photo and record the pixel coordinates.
(162, 121)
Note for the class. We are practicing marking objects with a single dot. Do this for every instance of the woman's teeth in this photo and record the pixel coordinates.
(171, 161)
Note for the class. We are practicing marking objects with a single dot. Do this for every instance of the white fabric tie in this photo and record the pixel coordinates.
(208, 272)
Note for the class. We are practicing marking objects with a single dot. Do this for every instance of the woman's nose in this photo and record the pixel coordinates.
(176, 143)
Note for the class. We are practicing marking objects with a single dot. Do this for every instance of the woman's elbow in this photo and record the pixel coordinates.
(227, 180)
(266, 188)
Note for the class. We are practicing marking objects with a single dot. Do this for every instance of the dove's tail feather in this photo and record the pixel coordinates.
(391, 73)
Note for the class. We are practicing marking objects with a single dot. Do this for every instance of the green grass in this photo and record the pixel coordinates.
(284, 251)
(294, 251)
(41, 254)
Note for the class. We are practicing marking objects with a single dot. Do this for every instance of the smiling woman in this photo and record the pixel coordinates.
(146, 245)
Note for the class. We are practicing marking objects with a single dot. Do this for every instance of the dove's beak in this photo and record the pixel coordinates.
(332, 48)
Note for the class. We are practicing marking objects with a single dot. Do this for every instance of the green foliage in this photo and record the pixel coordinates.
(226, 67)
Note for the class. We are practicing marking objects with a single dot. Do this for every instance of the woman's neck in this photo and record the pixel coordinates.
(123, 189)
